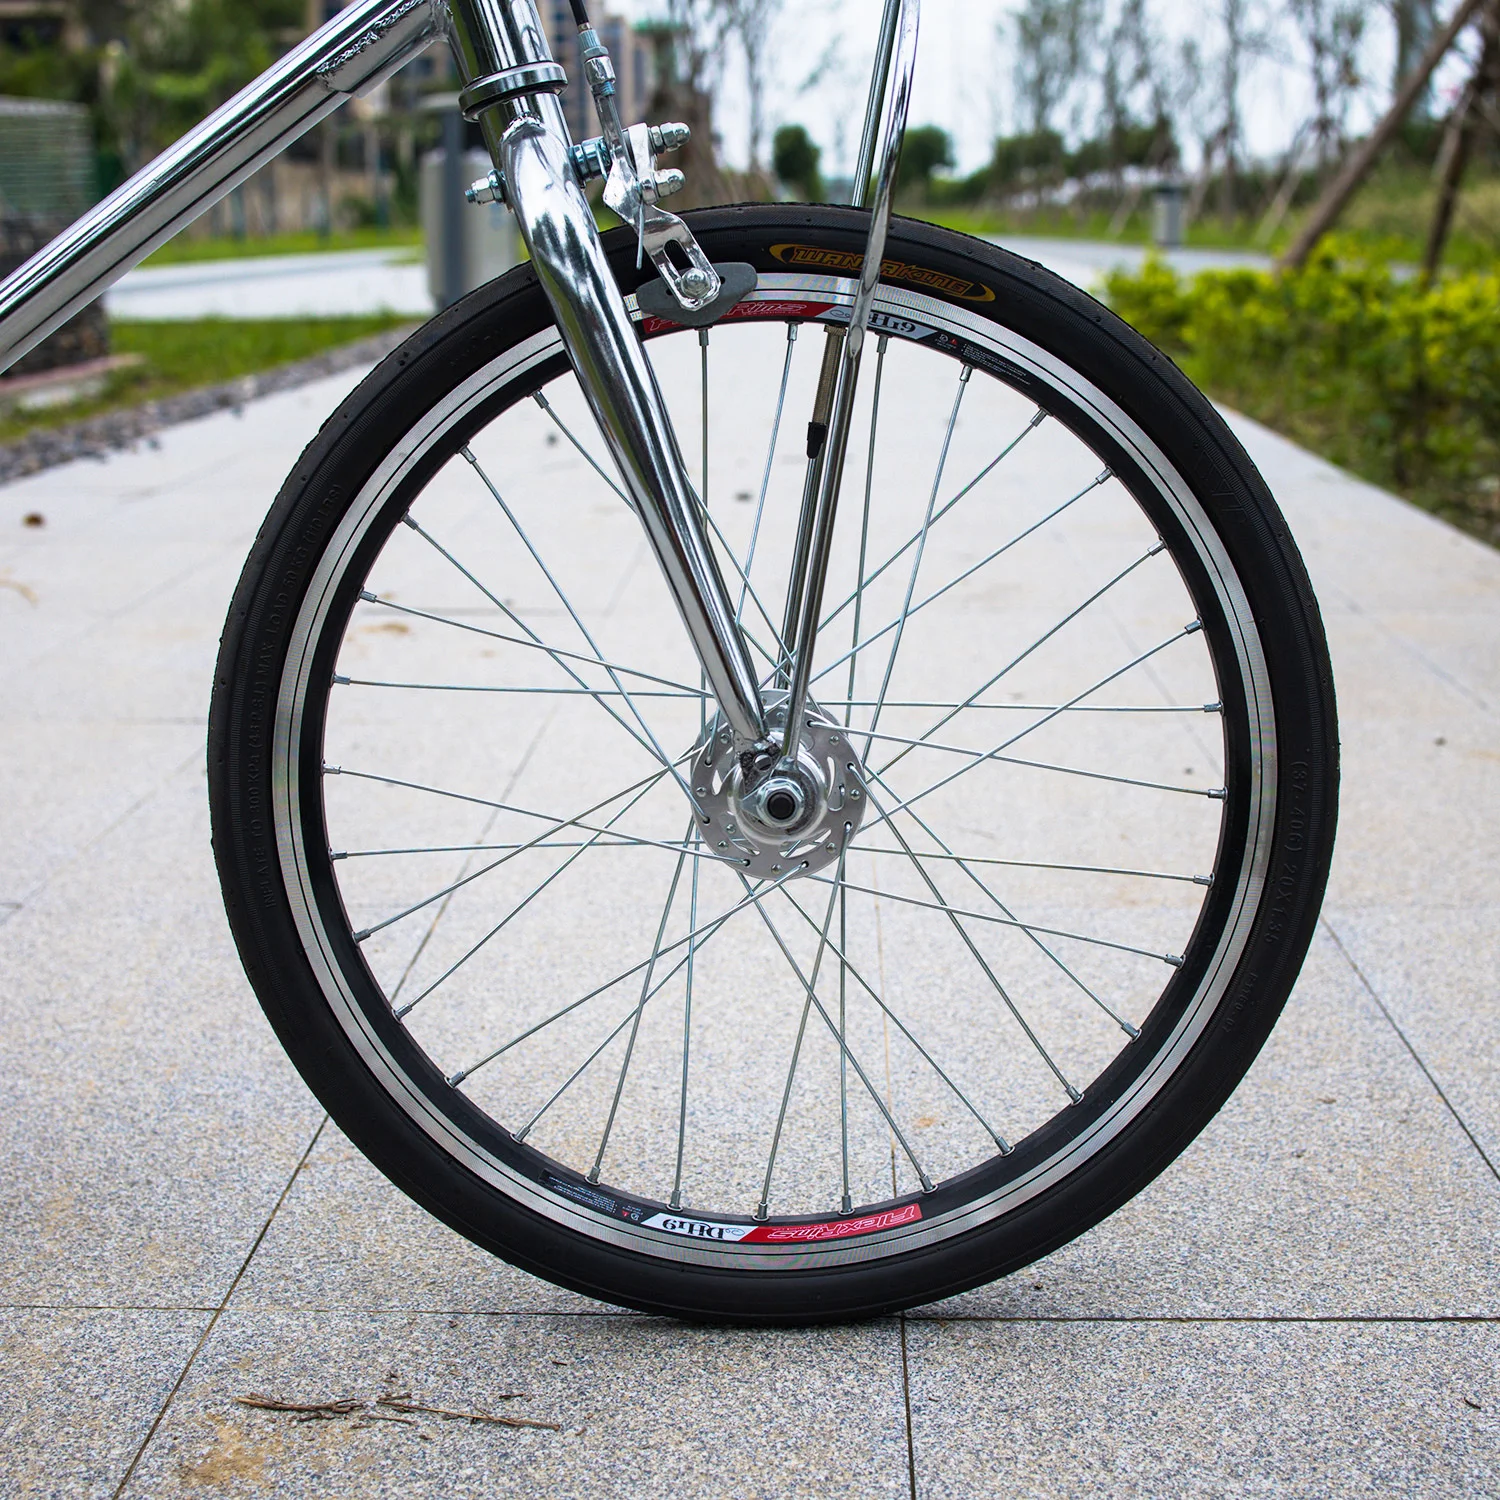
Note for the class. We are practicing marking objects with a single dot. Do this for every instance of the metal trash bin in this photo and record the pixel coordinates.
(1166, 218)
(488, 242)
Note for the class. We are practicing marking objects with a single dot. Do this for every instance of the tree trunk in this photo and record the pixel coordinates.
(1458, 145)
(1338, 193)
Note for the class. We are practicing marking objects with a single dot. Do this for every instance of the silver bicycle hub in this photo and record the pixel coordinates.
(791, 807)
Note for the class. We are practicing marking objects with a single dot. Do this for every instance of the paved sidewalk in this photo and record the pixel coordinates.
(1307, 1303)
(1085, 262)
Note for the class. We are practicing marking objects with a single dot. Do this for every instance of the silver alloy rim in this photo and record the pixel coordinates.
(897, 312)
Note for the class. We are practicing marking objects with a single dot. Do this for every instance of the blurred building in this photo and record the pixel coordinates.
(632, 59)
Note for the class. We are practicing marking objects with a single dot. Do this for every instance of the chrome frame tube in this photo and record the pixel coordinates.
(529, 140)
(355, 51)
(890, 87)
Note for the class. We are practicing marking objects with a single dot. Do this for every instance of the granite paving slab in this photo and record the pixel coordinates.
(1058, 1409)
(82, 1389)
(154, 1116)
(1334, 1183)
(643, 1407)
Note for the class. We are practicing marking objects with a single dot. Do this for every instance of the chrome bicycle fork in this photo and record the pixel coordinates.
(510, 83)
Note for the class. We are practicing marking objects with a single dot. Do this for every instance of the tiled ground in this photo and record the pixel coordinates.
(1307, 1303)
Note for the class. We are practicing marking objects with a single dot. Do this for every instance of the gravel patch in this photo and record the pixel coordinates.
(97, 437)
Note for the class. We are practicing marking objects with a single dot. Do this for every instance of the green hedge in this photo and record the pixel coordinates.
(1382, 374)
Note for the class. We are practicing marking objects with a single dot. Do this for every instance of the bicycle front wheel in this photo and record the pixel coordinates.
(1068, 655)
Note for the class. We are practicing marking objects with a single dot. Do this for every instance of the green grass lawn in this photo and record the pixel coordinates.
(184, 249)
(180, 356)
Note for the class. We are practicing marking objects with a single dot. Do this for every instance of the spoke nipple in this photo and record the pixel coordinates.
(927, 1186)
(1192, 627)
(337, 854)
(361, 935)
(847, 1207)
(968, 370)
(593, 1174)
(1175, 959)
(1213, 708)
(454, 1079)
(368, 597)
(1160, 546)
(1005, 1148)
(1074, 1095)
(762, 1213)
(1203, 880)
(1218, 793)
(333, 770)
(407, 517)
(1133, 1032)
(339, 681)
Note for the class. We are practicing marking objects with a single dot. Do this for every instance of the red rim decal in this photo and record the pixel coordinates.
(742, 310)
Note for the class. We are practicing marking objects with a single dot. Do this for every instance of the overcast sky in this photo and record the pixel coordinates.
(964, 73)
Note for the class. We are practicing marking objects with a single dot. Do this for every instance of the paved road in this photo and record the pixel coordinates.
(1307, 1303)
(339, 283)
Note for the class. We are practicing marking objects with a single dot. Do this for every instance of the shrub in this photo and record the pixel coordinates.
(1391, 377)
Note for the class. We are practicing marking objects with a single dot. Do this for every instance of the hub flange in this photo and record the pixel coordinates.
(788, 813)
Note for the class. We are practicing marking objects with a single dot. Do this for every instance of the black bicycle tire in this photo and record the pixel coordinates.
(1153, 392)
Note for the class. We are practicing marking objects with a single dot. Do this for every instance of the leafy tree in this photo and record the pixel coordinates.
(794, 159)
(927, 147)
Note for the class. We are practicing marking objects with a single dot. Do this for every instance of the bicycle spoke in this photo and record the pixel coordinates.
(901, 1026)
(675, 1200)
(1173, 959)
(1039, 864)
(1190, 629)
(864, 522)
(551, 692)
(968, 942)
(649, 746)
(577, 620)
(765, 480)
(701, 935)
(968, 573)
(557, 825)
(901, 551)
(661, 932)
(616, 840)
(844, 1050)
(911, 586)
(763, 1209)
(583, 1067)
(1038, 643)
(520, 906)
(1029, 708)
(1109, 1010)
(515, 640)
(743, 573)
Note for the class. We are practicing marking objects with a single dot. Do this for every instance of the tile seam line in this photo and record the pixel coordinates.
(93, 1307)
(1416, 1056)
(149, 795)
(218, 1312)
(911, 1447)
(1394, 1320)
